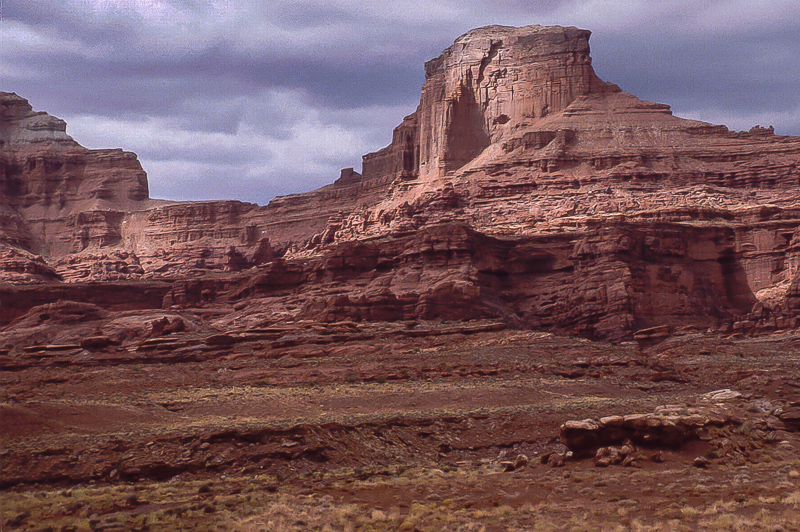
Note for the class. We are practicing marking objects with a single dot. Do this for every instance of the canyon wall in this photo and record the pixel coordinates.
(522, 188)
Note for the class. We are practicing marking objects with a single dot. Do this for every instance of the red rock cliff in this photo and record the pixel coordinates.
(522, 188)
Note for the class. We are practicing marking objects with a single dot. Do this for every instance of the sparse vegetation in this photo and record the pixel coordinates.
(280, 443)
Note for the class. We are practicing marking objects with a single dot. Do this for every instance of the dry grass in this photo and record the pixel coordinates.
(425, 499)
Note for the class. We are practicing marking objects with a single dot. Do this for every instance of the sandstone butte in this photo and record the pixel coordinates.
(523, 189)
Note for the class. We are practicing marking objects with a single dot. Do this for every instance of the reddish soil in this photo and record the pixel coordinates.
(321, 412)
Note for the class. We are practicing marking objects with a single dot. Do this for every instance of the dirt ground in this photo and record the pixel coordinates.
(390, 427)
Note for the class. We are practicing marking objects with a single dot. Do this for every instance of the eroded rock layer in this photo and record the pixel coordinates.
(523, 188)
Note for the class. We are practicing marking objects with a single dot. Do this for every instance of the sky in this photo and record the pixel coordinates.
(248, 99)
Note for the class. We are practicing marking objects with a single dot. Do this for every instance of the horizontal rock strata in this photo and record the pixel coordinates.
(522, 188)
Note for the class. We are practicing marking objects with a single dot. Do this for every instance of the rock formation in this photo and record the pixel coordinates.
(523, 188)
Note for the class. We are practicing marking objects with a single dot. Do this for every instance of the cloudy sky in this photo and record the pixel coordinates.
(249, 99)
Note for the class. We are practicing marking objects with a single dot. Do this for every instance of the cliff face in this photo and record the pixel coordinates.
(522, 187)
(651, 219)
(491, 82)
(68, 196)
(43, 172)
(494, 80)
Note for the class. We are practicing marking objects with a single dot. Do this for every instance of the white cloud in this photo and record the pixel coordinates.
(151, 10)
(189, 163)
(784, 122)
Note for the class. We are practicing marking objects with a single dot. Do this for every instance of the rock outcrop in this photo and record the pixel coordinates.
(494, 80)
(523, 188)
(730, 425)
(58, 187)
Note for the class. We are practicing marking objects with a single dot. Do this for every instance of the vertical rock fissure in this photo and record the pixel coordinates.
(494, 49)
(465, 131)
